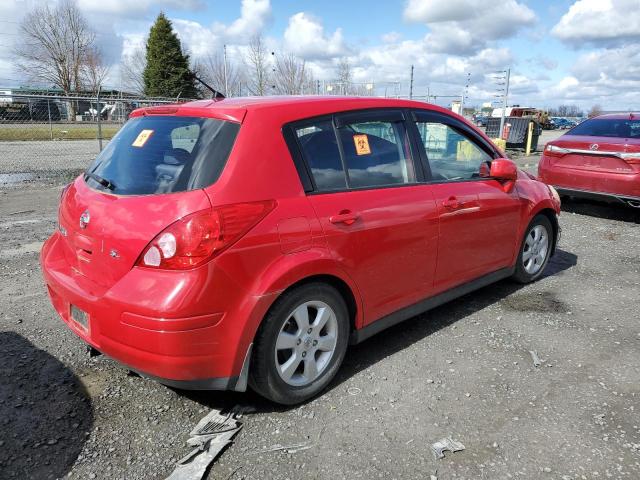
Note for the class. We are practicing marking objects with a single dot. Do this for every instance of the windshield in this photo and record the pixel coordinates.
(608, 127)
(163, 154)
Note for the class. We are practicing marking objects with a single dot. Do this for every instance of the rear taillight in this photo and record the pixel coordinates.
(631, 158)
(196, 238)
(61, 229)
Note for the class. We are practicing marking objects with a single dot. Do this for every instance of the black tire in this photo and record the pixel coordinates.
(521, 275)
(264, 377)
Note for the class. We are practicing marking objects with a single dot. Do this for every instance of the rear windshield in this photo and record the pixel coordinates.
(608, 127)
(163, 154)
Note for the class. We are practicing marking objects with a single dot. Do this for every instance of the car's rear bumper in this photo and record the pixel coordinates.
(180, 349)
(591, 183)
(608, 197)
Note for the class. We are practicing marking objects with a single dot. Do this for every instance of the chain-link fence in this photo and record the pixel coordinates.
(48, 135)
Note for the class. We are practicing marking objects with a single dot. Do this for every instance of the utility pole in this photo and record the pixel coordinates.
(226, 81)
(465, 94)
(504, 102)
(411, 84)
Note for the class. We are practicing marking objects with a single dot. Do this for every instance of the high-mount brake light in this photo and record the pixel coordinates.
(160, 110)
(196, 238)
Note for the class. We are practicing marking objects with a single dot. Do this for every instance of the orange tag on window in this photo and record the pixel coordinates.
(142, 138)
(362, 144)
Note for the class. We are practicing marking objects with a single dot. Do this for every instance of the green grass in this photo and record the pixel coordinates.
(60, 132)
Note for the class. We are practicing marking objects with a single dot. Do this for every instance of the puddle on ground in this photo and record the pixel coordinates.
(13, 179)
(535, 302)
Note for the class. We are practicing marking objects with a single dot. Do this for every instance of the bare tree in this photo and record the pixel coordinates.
(595, 111)
(131, 70)
(212, 71)
(257, 61)
(344, 76)
(53, 44)
(94, 70)
(290, 74)
(566, 111)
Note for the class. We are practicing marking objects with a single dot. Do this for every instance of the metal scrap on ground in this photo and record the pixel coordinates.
(288, 448)
(210, 436)
(441, 446)
(536, 360)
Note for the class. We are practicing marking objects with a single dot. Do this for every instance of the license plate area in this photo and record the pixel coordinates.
(80, 317)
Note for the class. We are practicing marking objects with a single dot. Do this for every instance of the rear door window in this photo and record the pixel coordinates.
(163, 154)
(320, 150)
(376, 153)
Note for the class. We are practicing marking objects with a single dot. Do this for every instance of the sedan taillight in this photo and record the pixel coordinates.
(196, 238)
(631, 158)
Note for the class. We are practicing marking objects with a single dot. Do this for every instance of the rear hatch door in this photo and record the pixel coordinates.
(107, 233)
(151, 174)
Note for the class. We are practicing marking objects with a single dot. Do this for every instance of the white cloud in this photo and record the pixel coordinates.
(614, 64)
(128, 8)
(254, 16)
(132, 42)
(305, 36)
(196, 38)
(391, 37)
(603, 22)
(467, 26)
(201, 40)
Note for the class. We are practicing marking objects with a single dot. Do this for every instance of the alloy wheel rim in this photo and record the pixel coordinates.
(536, 247)
(306, 343)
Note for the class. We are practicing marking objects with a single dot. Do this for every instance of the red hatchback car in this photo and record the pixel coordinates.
(217, 244)
(599, 158)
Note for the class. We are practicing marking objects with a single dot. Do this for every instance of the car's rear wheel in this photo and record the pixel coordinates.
(300, 344)
(535, 250)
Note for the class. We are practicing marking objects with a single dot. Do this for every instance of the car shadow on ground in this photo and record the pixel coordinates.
(415, 329)
(403, 335)
(594, 208)
(45, 412)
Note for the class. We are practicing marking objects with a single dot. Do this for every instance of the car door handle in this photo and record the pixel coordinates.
(452, 203)
(345, 216)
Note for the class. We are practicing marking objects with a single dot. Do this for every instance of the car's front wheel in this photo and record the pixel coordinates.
(535, 250)
(300, 344)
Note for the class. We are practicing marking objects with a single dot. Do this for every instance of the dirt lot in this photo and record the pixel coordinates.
(462, 371)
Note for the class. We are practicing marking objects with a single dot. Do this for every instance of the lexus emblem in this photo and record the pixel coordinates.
(593, 146)
(85, 218)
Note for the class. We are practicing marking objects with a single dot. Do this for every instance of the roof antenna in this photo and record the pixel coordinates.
(215, 94)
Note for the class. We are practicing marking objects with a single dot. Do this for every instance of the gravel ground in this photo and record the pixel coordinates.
(462, 371)
(46, 156)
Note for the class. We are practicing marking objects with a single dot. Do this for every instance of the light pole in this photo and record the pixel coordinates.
(411, 84)
(504, 102)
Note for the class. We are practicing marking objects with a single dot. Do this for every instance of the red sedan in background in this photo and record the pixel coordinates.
(217, 244)
(599, 158)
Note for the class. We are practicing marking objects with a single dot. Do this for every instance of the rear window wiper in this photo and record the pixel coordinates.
(102, 181)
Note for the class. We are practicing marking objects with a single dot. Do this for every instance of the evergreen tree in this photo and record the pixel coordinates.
(167, 73)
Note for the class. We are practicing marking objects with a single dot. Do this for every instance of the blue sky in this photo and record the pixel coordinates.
(581, 52)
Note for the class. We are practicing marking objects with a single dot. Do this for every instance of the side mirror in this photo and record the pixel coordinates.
(504, 170)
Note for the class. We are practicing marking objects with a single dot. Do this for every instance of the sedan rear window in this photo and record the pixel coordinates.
(608, 127)
(163, 154)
